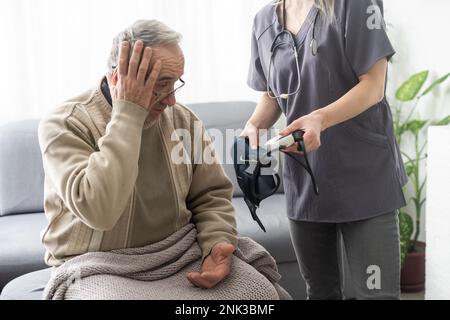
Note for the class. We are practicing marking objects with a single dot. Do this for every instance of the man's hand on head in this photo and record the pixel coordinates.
(130, 79)
(215, 267)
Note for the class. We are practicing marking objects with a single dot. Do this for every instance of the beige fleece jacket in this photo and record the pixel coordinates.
(110, 182)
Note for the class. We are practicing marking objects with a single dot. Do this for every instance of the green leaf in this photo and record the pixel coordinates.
(400, 130)
(406, 227)
(407, 162)
(415, 126)
(410, 169)
(443, 122)
(411, 87)
(435, 84)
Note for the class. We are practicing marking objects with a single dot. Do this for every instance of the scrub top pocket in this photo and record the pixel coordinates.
(373, 138)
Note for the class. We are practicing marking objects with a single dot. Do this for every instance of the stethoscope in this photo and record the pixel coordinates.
(313, 46)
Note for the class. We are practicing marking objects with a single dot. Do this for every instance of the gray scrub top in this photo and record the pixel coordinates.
(358, 168)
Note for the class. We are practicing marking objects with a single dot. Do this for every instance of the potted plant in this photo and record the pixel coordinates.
(408, 123)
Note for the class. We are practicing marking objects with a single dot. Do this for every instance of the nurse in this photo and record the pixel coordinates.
(323, 64)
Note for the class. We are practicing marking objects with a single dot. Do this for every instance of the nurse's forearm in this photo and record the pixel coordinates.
(368, 92)
(266, 113)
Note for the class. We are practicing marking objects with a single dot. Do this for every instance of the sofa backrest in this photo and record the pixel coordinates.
(21, 170)
(220, 116)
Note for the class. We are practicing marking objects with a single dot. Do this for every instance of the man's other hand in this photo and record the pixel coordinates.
(215, 267)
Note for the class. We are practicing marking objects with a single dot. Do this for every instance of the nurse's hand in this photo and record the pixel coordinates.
(252, 132)
(311, 125)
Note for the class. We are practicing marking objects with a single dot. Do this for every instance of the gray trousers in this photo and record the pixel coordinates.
(372, 249)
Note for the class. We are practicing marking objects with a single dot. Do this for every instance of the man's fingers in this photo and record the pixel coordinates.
(213, 277)
(150, 83)
(190, 277)
(129, 87)
(196, 279)
(123, 58)
(143, 67)
(111, 86)
(135, 58)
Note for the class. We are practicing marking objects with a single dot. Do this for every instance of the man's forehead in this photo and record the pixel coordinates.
(171, 53)
(172, 59)
(170, 72)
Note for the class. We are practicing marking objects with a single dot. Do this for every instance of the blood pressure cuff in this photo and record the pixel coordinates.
(255, 174)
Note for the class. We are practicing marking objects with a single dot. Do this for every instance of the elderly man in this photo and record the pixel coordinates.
(110, 182)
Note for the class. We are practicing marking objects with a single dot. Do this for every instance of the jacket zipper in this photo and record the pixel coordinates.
(130, 218)
(166, 152)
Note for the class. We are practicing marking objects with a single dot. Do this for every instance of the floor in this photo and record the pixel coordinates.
(413, 296)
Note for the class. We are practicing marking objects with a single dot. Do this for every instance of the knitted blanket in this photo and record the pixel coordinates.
(158, 271)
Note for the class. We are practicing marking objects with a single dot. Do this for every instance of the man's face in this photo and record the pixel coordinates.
(172, 69)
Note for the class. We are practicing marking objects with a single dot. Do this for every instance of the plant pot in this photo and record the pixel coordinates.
(413, 272)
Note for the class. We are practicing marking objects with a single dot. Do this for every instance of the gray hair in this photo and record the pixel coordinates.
(152, 32)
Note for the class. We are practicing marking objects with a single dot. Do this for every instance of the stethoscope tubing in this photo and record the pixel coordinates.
(314, 49)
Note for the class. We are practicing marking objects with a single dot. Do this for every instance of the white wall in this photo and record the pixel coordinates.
(419, 31)
(438, 219)
(52, 50)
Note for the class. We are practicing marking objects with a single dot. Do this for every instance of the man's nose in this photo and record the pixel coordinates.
(170, 100)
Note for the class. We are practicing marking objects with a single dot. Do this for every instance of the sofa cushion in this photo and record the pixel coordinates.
(272, 214)
(21, 171)
(21, 250)
(30, 286)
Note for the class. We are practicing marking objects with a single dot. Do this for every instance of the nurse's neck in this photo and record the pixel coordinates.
(296, 13)
(298, 4)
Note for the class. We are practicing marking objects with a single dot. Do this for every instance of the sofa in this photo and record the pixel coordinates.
(22, 267)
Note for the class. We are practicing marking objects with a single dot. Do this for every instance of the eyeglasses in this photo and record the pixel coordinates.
(160, 89)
